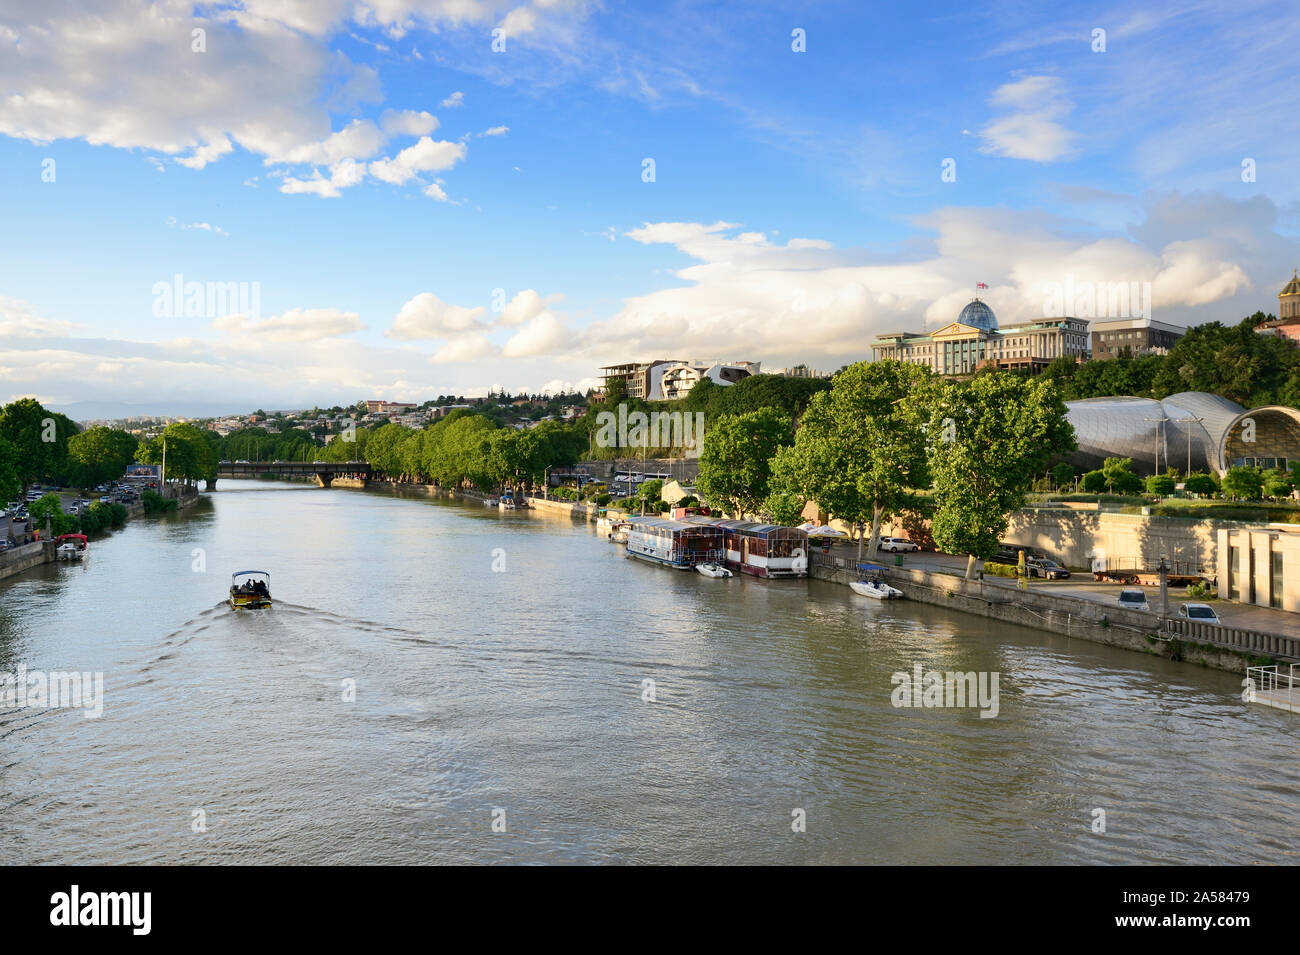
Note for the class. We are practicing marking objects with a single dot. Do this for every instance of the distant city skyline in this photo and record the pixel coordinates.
(302, 204)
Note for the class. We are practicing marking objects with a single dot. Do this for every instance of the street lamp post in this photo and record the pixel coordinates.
(1158, 436)
(1164, 586)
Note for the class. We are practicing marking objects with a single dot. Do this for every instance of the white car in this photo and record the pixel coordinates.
(1201, 613)
(897, 545)
(1133, 600)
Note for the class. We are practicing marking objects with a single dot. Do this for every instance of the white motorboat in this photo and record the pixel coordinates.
(70, 547)
(878, 589)
(619, 531)
(491, 501)
(713, 570)
(871, 583)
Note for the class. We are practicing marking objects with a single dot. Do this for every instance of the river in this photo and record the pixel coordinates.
(499, 664)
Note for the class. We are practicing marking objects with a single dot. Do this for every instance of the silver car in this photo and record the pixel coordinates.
(897, 545)
(1133, 600)
(1201, 613)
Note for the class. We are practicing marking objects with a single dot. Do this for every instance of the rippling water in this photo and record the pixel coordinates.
(521, 691)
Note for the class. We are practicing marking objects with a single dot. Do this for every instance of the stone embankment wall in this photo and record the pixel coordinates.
(1058, 613)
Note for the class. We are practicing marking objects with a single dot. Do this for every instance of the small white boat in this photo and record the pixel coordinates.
(713, 570)
(880, 590)
(619, 531)
(871, 583)
(70, 547)
(491, 501)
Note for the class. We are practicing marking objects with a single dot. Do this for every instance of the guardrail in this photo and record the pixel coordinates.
(1270, 686)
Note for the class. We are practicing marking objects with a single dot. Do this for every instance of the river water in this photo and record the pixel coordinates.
(499, 664)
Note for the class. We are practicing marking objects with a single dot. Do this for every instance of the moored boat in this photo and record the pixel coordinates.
(250, 590)
(619, 531)
(871, 583)
(673, 544)
(711, 569)
(762, 550)
(70, 547)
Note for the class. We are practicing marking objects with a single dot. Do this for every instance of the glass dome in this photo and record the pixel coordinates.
(979, 315)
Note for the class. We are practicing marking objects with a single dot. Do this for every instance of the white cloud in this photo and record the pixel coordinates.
(465, 348)
(524, 306)
(1032, 129)
(455, 99)
(496, 131)
(425, 156)
(426, 317)
(360, 139)
(408, 122)
(295, 325)
(17, 320)
(543, 335)
(207, 153)
(435, 191)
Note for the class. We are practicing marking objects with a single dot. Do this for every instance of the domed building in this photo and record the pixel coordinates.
(974, 339)
(1287, 324)
(978, 315)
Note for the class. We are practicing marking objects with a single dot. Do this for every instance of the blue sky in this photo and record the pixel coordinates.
(381, 172)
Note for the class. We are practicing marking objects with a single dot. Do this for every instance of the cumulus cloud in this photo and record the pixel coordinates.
(427, 317)
(408, 122)
(524, 306)
(464, 348)
(265, 80)
(455, 99)
(425, 156)
(543, 335)
(1032, 129)
(743, 296)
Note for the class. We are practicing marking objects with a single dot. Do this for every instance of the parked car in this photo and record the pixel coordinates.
(1201, 613)
(1133, 599)
(1010, 553)
(897, 545)
(1046, 568)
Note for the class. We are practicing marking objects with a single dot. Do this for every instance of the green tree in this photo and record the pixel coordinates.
(1199, 483)
(736, 460)
(1063, 476)
(987, 439)
(1278, 483)
(100, 454)
(1120, 477)
(11, 484)
(39, 438)
(859, 446)
(190, 456)
(1243, 484)
(1160, 485)
(1094, 482)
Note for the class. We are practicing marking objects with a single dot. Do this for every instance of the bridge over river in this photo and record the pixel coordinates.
(323, 471)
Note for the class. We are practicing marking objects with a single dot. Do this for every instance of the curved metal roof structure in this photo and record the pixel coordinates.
(1190, 425)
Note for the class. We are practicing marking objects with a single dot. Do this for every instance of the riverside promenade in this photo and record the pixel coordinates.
(1078, 608)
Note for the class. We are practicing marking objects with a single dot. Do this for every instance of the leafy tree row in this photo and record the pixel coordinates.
(885, 431)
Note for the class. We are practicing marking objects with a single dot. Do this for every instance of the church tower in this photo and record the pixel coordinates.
(1288, 300)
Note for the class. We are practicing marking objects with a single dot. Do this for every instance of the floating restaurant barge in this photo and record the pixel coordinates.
(675, 544)
(763, 550)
